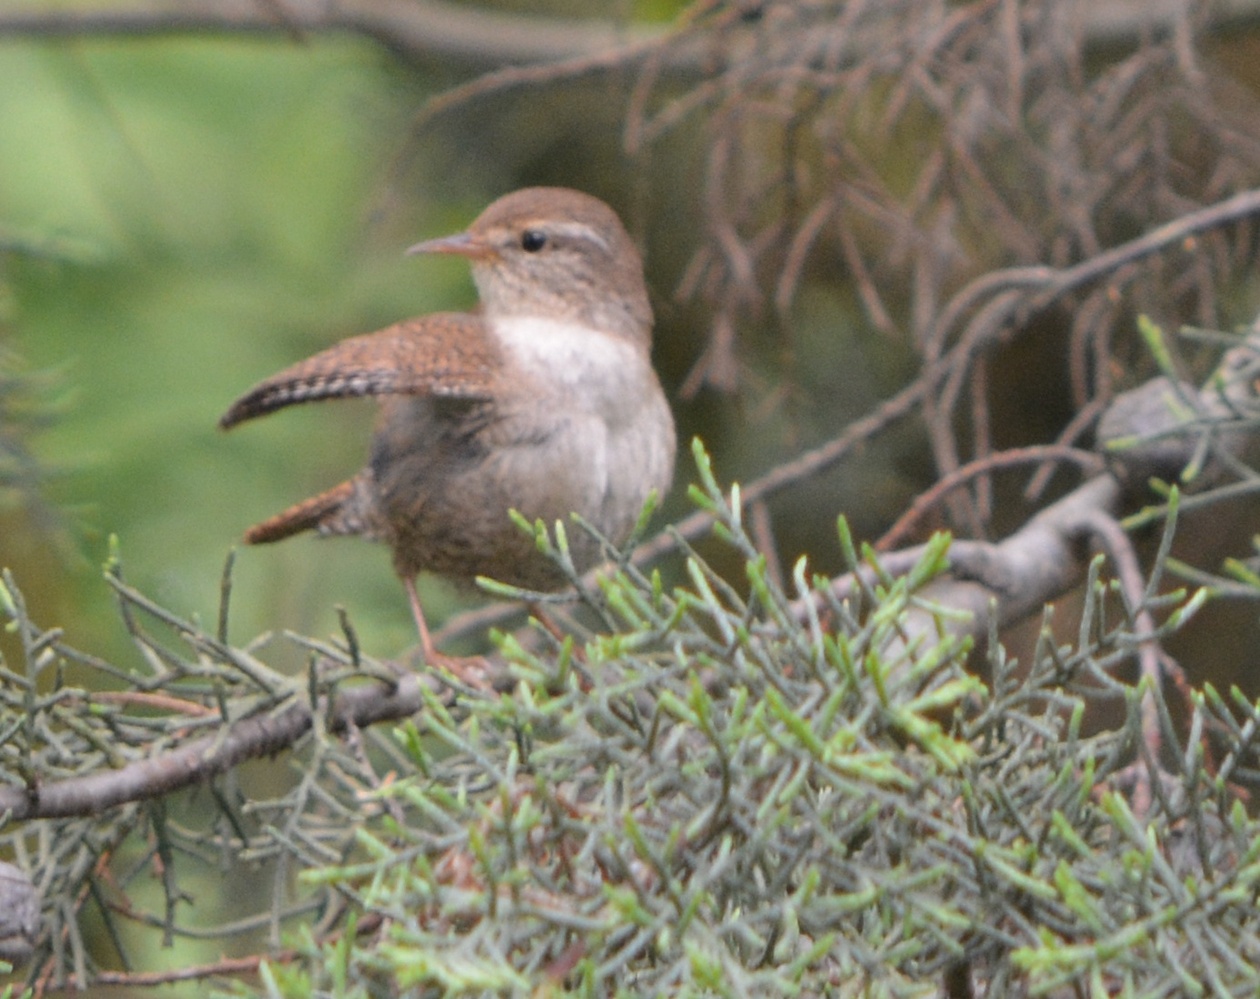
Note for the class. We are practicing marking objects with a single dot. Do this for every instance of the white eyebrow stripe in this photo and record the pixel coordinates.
(580, 230)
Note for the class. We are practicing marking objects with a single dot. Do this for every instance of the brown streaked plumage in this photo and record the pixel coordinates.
(544, 401)
(445, 354)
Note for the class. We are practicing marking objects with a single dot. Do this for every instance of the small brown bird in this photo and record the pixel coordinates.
(544, 400)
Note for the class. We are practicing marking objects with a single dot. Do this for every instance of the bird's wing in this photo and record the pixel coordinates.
(445, 354)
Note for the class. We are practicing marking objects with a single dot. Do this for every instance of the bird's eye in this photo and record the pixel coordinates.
(532, 240)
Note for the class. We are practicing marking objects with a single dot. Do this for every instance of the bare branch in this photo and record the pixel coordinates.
(417, 28)
(1000, 583)
(201, 759)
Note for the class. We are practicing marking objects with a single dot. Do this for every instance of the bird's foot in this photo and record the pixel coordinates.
(473, 672)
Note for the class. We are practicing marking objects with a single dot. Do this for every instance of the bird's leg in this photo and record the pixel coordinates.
(417, 612)
(470, 670)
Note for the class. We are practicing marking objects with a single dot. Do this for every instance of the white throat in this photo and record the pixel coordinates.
(588, 367)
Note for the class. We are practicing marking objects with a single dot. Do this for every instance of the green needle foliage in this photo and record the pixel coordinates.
(714, 788)
(732, 791)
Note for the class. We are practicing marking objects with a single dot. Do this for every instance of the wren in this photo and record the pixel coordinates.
(543, 400)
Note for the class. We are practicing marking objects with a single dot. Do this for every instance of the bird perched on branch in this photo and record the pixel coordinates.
(544, 400)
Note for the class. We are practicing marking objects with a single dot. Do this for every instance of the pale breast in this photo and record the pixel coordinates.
(609, 426)
(602, 373)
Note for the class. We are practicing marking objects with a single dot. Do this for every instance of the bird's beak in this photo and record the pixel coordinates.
(462, 244)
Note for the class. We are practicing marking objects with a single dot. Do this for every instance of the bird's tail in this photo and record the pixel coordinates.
(331, 512)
